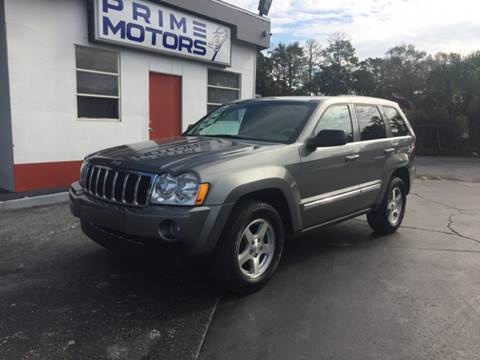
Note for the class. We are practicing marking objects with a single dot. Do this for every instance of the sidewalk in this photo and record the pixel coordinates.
(13, 201)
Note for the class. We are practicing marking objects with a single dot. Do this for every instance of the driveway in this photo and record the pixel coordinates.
(340, 293)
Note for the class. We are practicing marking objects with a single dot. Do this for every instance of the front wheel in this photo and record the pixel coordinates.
(389, 216)
(251, 248)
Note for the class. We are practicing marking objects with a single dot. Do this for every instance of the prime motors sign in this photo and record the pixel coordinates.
(158, 28)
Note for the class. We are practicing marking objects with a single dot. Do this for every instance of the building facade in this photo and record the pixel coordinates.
(77, 76)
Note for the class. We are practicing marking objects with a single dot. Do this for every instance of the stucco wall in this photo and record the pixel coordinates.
(41, 37)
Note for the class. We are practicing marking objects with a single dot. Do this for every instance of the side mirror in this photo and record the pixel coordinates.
(327, 138)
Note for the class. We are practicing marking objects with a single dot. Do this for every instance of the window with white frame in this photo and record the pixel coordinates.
(223, 87)
(98, 79)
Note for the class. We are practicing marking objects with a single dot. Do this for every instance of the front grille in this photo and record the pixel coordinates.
(118, 186)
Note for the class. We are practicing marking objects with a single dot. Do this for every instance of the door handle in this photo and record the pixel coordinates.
(389, 151)
(352, 157)
(150, 129)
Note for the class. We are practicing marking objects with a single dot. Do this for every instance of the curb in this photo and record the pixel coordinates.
(29, 202)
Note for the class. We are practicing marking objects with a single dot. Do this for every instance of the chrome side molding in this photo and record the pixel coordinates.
(341, 194)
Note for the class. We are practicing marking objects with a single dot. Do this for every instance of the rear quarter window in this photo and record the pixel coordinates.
(397, 124)
(370, 122)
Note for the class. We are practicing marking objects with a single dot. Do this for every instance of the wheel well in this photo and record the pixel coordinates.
(403, 174)
(277, 199)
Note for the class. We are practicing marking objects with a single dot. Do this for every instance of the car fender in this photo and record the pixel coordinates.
(232, 187)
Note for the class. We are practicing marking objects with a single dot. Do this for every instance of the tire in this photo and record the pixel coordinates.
(389, 216)
(244, 261)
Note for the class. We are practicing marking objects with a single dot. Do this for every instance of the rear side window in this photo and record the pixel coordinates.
(336, 118)
(370, 122)
(397, 124)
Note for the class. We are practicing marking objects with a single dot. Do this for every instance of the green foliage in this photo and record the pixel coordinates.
(440, 93)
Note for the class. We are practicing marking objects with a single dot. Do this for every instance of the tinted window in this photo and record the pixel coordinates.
(97, 84)
(223, 87)
(98, 95)
(223, 79)
(397, 124)
(370, 122)
(91, 107)
(266, 120)
(336, 118)
(96, 59)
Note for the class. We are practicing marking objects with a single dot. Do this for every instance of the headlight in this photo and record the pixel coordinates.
(83, 173)
(184, 189)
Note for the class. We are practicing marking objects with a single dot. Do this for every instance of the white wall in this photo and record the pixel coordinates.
(41, 39)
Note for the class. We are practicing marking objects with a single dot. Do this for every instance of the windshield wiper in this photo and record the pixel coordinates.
(227, 136)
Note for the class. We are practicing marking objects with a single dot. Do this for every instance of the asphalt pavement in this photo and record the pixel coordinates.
(344, 293)
(340, 293)
(64, 297)
(453, 168)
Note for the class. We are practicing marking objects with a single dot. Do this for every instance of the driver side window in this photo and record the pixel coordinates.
(336, 117)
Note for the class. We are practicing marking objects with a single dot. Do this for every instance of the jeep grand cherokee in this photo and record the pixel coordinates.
(245, 177)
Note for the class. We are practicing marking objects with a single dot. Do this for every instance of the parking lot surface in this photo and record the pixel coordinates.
(344, 293)
(63, 297)
(340, 293)
(453, 168)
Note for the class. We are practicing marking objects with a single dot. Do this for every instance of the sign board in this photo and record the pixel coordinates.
(153, 27)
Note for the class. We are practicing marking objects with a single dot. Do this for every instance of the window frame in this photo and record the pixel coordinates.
(352, 122)
(223, 87)
(98, 96)
(384, 113)
(382, 116)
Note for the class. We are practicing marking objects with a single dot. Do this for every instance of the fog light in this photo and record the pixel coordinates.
(168, 230)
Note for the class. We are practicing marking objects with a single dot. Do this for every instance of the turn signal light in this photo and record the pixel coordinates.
(202, 194)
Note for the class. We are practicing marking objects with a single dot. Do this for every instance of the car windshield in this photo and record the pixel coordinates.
(272, 121)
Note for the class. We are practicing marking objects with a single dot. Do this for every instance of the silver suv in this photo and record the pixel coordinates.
(247, 176)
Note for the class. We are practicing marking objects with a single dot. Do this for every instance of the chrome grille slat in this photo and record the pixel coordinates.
(135, 194)
(130, 188)
(88, 181)
(99, 171)
(107, 172)
(113, 185)
(124, 188)
(91, 180)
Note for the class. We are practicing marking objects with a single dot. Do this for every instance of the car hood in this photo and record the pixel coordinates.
(176, 154)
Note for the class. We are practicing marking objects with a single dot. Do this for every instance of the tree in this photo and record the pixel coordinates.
(264, 83)
(339, 62)
(288, 65)
(405, 71)
(313, 55)
(368, 78)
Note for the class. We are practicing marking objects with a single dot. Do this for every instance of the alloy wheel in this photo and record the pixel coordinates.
(256, 248)
(395, 206)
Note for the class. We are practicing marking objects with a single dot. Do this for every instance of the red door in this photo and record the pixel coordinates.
(165, 105)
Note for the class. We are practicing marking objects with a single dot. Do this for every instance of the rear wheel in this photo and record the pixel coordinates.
(389, 216)
(251, 248)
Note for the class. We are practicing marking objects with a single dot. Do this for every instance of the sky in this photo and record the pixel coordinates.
(374, 26)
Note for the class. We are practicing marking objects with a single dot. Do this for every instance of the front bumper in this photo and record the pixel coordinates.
(197, 229)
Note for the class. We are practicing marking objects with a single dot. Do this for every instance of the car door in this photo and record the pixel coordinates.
(330, 174)
(375, 149)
